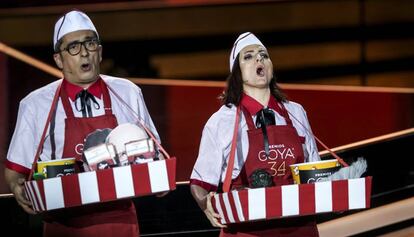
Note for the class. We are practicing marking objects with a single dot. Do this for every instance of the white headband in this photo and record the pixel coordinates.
(242, 41)
(70, 22)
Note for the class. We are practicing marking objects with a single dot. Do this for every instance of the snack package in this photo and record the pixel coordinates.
(100, 157)
(138, 152)
(56, 168)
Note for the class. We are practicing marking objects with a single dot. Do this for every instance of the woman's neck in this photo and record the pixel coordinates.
(259, 94)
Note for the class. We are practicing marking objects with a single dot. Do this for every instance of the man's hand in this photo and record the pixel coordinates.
(212, 216)
(20, 196)
(16, 184)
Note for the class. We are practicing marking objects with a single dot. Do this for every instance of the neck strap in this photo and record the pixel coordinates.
(230, 163)
(141, 123)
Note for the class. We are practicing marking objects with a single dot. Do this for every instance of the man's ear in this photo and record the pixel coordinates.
(100, 53)
(58, 60)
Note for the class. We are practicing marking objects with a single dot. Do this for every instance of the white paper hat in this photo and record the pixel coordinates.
(242, 41)
(124, 133)
(70, 22)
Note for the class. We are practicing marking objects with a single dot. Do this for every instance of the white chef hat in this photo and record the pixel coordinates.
(72, 21)
(242, 41)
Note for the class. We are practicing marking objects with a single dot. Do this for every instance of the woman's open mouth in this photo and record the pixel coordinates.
(260, 71)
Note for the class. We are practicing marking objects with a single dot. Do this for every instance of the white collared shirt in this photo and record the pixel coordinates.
(35, 107)
(215, 144)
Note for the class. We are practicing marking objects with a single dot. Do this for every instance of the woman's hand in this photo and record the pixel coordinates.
(203, 199)
(212, 216)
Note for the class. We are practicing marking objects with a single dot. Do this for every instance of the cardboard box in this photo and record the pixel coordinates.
(292, 200)
(102, 185)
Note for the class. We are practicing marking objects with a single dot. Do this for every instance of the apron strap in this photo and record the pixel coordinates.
(230, 163)
(42, 138)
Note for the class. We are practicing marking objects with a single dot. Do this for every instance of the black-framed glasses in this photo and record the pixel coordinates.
(74, 48)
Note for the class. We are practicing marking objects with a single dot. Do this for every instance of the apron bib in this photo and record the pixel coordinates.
(116, 218)
(285, 149)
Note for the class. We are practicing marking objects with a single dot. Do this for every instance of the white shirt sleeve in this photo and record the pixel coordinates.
(209, 164)
(215, 147)
(24, 144)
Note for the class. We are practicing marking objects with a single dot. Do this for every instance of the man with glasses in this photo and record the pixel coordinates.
(65, 112)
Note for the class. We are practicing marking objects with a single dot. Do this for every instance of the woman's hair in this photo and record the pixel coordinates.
(234, 89)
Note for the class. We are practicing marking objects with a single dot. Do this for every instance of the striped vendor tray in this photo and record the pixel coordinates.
(102, 185)
(292, 200)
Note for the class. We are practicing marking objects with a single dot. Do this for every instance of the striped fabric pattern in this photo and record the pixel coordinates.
(292, 200)
(102, 186)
